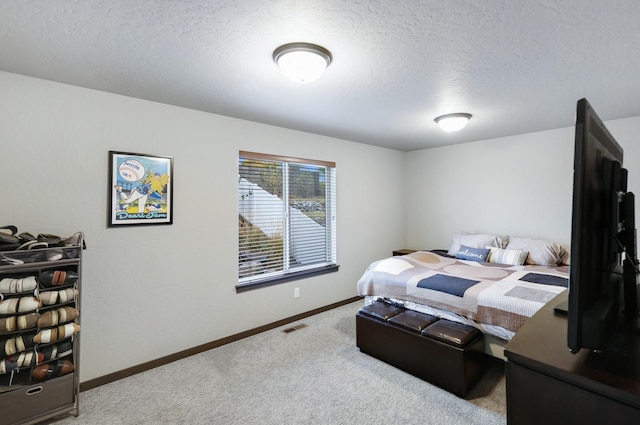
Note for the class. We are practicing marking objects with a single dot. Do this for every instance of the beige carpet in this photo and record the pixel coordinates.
(313, 375)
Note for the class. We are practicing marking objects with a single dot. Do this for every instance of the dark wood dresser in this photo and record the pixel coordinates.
(546, 384)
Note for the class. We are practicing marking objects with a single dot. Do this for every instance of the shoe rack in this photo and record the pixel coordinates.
(39, 332)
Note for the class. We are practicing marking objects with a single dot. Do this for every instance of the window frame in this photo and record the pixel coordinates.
(299, 272)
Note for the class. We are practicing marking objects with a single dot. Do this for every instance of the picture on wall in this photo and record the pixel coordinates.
(140, 189)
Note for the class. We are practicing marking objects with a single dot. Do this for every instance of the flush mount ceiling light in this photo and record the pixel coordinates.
(302, 62)
(453, 122)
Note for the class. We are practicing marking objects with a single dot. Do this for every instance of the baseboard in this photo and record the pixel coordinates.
(96, 382)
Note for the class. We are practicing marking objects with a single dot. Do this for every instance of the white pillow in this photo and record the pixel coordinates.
(512, 257)
(541, 252)
(475, 240)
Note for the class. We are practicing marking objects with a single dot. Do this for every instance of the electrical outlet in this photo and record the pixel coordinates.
(296, 292)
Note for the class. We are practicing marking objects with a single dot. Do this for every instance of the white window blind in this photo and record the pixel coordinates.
(286, 218)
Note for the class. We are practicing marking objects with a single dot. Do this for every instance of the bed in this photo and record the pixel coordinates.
(494, 283)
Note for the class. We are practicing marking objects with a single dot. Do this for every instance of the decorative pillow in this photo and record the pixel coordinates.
(503, 238)
(541, 252)
(476, 240)
(513, 257)
(473, 254)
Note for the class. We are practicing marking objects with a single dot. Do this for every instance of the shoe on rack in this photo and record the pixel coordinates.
(52, 370)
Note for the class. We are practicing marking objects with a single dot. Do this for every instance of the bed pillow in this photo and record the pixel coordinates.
(473, 254)
(512, 257)
(541, 252)
(475, 240)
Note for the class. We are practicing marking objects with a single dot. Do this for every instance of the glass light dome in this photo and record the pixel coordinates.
(302, 62)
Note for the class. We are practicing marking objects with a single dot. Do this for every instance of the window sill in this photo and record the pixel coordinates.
(303, 274)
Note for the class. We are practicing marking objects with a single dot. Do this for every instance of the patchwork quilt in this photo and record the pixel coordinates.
(491, 293)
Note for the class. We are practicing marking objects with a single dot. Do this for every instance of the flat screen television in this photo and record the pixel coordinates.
(603, 275)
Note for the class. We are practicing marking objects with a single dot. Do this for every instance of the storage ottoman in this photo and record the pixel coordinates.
(445, 353)
(452, 356)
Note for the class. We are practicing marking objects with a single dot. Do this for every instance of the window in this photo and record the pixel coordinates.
(286, 219)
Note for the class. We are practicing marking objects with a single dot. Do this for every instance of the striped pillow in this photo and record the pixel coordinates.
(512, 257)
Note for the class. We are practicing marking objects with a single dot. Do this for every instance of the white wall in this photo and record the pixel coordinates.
(519, 186)
(152, 291)
(627, 133)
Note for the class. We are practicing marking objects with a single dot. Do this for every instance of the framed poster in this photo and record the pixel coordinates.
(140, 189)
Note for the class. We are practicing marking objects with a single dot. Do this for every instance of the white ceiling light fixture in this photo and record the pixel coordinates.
(453, 122)
(302, 62)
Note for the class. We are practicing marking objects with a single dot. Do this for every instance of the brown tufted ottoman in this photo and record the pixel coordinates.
(452, 356)
(445, 353)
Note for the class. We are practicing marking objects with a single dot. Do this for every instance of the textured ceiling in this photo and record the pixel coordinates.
(517, 66)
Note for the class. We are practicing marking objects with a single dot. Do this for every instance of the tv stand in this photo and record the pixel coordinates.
(546, 384)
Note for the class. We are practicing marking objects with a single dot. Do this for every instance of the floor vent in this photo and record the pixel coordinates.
(294, 328)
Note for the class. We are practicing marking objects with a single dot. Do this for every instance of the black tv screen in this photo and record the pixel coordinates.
(595, 275)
